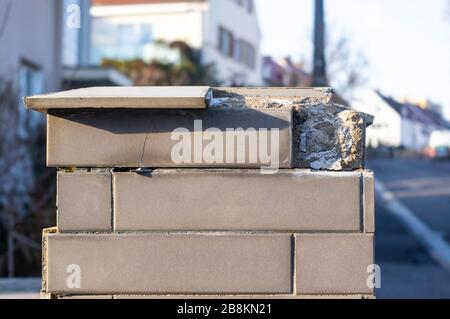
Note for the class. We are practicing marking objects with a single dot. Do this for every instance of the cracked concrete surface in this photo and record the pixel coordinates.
(327, 136)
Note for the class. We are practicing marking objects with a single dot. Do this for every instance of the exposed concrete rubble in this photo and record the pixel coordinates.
(327, 136)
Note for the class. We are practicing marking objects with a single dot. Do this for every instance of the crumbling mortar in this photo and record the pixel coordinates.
(327, 136)
(44, 256)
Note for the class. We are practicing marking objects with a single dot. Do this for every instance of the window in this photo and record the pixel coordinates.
(246, 4)
(226, 42)
(111, 40)
(250, 6)
(251, 57)
(247, 54)
(30, 79)
(134, 34)
(237, 50)
(30, 83)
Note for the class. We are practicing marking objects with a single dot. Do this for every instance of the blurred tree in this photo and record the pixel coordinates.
(187, 70)
(334, 61)
(4, 17)
(347, 66)
(26, 186)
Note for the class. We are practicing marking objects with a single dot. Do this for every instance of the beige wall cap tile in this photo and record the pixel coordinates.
(174, 97)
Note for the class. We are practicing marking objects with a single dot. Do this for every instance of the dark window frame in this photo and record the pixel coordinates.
(237, 49)
(226, 45)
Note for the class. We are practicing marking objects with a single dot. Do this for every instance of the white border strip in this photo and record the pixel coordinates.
(435, 245)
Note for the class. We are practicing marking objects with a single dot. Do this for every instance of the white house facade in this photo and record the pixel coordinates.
(398, 124)
(386, 129)
(30, 44)
(130, 29)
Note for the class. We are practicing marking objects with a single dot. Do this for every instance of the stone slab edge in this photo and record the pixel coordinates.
(45, 295)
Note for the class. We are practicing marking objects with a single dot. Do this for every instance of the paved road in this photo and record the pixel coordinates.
(20, 288)
(407, 270)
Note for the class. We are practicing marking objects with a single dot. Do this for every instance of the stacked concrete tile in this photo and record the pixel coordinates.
(139, 216)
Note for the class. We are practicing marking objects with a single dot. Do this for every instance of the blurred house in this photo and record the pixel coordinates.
(400, 124)
(284, 72)
(129, 29)
(40, 47)
(77, 70)
(30, 42)
(273, 73)
(30, 55)
(297, 76)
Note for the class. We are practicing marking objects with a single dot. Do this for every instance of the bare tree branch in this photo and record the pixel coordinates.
(26, 241)
(347, 66)
(4, 19)
(25, 187)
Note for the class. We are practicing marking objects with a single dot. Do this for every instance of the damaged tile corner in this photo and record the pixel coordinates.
(329, 137)
(44, 257)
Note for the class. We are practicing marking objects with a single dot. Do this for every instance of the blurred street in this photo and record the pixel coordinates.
(20, 288)
(407, 269)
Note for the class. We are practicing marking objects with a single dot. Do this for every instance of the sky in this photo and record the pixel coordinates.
(406, 42)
